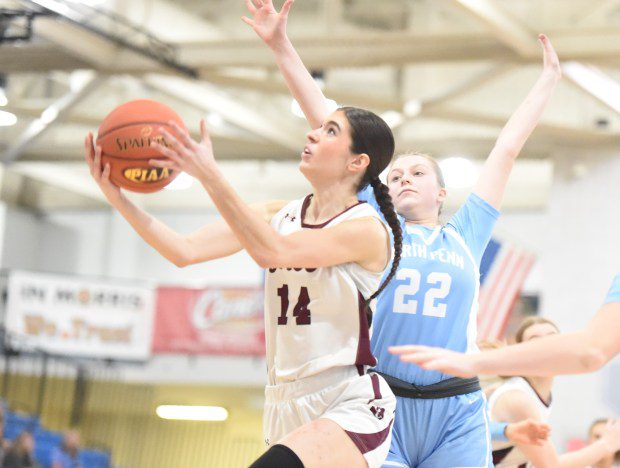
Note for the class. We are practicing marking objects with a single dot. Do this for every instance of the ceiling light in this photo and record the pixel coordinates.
(392, 118)
(296, 108)
(595, 82)
(192, 413)
(412, 108)
(459, 172)
(7, 119)
(215, 120)
(3, 99)
(49, 114)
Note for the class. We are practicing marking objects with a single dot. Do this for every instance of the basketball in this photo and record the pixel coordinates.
(126, 137)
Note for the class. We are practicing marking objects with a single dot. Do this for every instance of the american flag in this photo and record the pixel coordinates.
(503, 271)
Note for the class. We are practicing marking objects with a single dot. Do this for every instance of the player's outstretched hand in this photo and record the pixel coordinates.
(444, 360)
(269, 24)
(183, 154)
(551, 62)
(528, 432)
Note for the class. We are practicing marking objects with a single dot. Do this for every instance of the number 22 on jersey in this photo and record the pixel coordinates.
(440, 289)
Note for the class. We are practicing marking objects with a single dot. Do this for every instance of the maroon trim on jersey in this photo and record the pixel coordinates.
(538, 395)
(501, 454)
(360, 369)
(364, 357)
(368, 442)
(305, 206)
(374, 378)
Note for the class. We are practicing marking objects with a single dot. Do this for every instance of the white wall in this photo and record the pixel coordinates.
(582, 253)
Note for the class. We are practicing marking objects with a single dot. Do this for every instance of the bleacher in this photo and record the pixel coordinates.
(46, 441)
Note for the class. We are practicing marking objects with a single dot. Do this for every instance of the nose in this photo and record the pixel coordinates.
(313, 135)
(405, 179)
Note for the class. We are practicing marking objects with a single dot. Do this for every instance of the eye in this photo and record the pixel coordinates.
(418, 173)
(331, 131)
(395, 178)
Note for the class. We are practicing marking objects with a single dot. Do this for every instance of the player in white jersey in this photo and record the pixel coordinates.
(325, 257)
(519, 398)
(597, 431)
(440, 421)
(569, 353)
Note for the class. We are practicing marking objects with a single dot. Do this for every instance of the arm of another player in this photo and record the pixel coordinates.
(527, 432)
(270, 26)
(607, 445)
(568, 353)
(514, 407)
(364, 240)
(496, 169)
(213, 241)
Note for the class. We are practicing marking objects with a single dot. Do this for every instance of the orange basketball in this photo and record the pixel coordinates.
(126, 136)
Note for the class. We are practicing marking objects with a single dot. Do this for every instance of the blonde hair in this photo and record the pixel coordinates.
(528, 322)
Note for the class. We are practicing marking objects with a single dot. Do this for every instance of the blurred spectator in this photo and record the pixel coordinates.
(21, 452)
(596, 432)
(67, 455)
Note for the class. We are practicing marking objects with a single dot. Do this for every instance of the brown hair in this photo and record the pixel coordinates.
(528, 322)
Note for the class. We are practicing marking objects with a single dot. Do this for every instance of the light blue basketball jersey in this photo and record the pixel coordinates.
(433, 299)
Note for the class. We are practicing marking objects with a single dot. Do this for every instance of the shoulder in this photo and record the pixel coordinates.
(515, 404)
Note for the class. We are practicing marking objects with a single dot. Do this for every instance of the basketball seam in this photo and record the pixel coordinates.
(103, 135)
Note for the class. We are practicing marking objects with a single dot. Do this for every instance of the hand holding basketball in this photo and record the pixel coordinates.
(101, 175)
(269, 24)
(551, 62)
(183, 153)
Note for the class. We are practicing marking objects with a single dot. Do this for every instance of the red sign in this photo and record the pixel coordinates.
(226, 321)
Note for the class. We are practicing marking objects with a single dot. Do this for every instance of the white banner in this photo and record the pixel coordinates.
(79, 317)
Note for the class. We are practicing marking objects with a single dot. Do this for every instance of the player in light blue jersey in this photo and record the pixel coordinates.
(440, 421)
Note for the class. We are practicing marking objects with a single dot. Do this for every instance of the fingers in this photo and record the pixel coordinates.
(205, 138)
(164, 164)
(286, 7)
(96, 172)
(251, 6)
(88, 153)
(167, 152)
(257, 4)
(183, 134)
(176, 150)
(105, 175)
(406, 349)
(247, 21)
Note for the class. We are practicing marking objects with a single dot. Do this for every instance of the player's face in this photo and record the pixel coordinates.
(539, 330)
(327, 150)
(595, 434)
(414, 188)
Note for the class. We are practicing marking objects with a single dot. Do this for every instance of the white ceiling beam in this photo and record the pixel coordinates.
(594, 83)
(504, 27)
(209, 99)
(52, 114)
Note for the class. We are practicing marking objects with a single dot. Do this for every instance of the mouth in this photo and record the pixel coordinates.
(406, 191)
(306, 153)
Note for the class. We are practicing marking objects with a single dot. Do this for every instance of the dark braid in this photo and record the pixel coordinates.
(382, 195)
(372, 136)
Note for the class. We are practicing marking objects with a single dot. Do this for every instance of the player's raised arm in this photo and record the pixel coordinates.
(497, 168)
(305, 249)
(215, 240)
(270, 25)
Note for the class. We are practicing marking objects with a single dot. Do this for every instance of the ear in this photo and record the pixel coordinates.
(441, 196)
(358, 163)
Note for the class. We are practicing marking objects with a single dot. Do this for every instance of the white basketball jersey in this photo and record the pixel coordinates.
(504, 453)
(315, 317)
